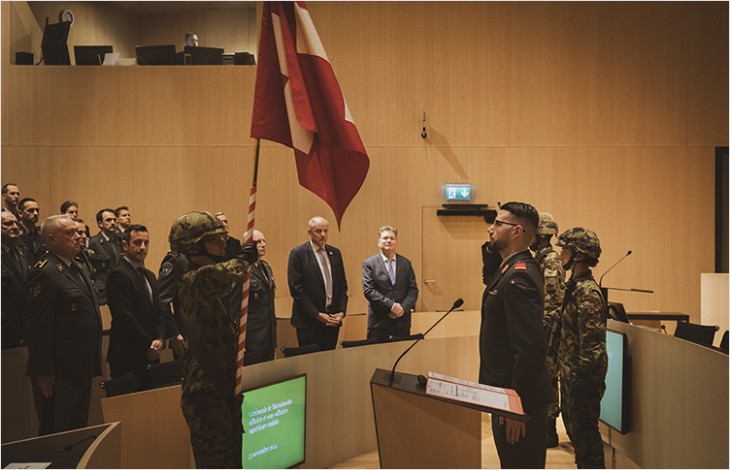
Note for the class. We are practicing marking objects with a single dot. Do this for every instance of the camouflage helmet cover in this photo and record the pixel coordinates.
(547, 225)
(192, 227)
(581, 241)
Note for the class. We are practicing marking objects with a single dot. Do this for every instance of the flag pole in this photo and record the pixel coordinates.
(247, 238)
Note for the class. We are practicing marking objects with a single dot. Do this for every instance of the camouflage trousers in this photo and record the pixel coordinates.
(215, 426)
(551, 364)
(581, 406)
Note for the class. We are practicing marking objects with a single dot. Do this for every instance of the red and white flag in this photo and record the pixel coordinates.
(299, 103)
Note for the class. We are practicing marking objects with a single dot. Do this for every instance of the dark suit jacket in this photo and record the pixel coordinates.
(306, 285)
(106, 258)
(136, 321)
(382, 294)
(261, 326)
(62, 325)
(15, 268)
(32, 241)
(512, 337)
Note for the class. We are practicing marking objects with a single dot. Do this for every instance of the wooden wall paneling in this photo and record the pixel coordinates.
(212, 105)
(18, 104)
(468, 72)
(21, 32)
(642, 74)
(382, 64)
(554, 71)
(707, 118)
(170, 28)
(28, 167)
(233, 30)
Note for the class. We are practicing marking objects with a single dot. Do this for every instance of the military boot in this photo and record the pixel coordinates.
(552, 434)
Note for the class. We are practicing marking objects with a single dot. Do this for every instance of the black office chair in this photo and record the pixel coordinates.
(121, 385)
(700, 334)
(617, 312)
(291, 352)
(363, 342)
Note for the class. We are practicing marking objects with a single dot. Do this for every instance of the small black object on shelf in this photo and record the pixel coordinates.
(478, 210)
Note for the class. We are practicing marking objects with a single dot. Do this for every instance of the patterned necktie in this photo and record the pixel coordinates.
(327, 275)
(391, 272)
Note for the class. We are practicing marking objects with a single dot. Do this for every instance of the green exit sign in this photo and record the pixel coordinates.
(458, 192)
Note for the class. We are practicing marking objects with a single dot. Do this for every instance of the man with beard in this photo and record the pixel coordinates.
(512, 337)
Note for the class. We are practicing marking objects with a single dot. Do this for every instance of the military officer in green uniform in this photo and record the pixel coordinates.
(62, 329)
(554, 276)
(208, 403)
(582, 353)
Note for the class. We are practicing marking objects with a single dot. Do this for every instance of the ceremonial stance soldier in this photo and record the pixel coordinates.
(512, 335)
(582, 353)
(554, 276)
(62, 330)
(208, 403)
(15, 267)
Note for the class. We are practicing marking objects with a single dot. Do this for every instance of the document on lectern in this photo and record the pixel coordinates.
(452, 388)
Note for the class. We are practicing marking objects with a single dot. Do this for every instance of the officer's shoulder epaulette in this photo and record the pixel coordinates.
(40, 263)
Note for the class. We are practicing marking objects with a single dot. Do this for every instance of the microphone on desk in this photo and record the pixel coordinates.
(600, 281)
(457, 303)
(69, 447)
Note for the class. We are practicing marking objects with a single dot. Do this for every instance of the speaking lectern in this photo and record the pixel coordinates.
(416, 430)
(92, 447)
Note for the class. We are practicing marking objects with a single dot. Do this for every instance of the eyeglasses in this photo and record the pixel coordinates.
(498, 223)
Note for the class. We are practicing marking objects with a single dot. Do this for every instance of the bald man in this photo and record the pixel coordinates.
(318, 287)
(261, 326)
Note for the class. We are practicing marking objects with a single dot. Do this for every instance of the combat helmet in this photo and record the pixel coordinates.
(547, 225)
(192, 227)
(581, 241)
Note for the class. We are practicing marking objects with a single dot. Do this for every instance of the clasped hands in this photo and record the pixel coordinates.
(331, 319)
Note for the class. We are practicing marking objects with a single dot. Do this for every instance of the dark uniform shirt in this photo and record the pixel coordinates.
(15, 268)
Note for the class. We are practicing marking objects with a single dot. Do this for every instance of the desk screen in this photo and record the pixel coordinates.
(275, 425)
(614, 405)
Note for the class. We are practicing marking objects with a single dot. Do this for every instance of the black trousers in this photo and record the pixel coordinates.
(255, 357)
(529, 451)
(68, 407)
(324, 336)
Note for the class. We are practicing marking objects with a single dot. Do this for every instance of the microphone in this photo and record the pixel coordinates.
(68, 447)
(457, 303)
(600, 281)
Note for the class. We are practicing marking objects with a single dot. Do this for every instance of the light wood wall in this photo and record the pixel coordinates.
(605, 115)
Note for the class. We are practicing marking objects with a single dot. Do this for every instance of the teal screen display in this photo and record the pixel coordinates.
(613, 404)
(274, 423)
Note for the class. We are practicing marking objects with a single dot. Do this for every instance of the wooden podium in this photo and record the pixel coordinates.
(415, 430)
(93, 447)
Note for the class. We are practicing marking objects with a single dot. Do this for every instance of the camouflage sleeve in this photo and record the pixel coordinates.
(215, 280)
(554, 287)
(592, 331)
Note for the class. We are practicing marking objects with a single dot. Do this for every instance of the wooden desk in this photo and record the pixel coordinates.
(658, 316)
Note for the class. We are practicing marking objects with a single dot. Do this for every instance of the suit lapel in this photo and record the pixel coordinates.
(313, 259)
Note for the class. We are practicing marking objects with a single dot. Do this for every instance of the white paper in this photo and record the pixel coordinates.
(469, 392)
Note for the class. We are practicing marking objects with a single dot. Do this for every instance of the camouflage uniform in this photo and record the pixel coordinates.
(582, 354)
(212, 412)
(554, 276)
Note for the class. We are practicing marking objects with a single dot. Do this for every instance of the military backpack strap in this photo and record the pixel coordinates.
(554, 337)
